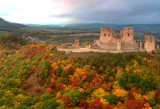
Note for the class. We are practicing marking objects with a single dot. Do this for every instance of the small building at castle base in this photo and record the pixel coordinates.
(125, 43)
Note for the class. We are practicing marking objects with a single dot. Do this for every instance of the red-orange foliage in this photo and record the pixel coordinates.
(131, 96)
(38, 89)
(59, 86)
(32, 70)
(25, 86)
(51, 61)
(67, 102)
(71, 70)
(122, 105)
(33, 51)
(84, 77)
(108, 106)
(96, 104)
(53, 83)
(136, 90)
(134, 104)
(75, 82)
(105, 78)
(84, 104)
(49, 90)
(157, 94)
(51, 72)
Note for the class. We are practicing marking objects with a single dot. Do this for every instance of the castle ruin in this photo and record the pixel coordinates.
(109, 42)
(124, 43)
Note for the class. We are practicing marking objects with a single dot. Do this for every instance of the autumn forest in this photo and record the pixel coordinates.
(35, 75)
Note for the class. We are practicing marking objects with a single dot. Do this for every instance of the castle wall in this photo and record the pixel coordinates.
(149, 43)
(119, 45)
(108, 46)
(108, 36)
(127, 34)
(126, 42)
(140, 46)
(108, 39)
(132, 45)
(109, 43)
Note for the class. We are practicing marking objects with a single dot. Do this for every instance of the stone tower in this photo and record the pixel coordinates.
(149, 43)
(140, 46)
(107, 35)
(76, 43)
(127, 34)
(119, 45)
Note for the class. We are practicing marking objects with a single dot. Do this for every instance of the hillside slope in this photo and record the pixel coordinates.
(12, 41)
(99, 81)
(5, 25)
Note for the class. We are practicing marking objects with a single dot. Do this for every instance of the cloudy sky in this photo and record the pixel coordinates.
(81, 11)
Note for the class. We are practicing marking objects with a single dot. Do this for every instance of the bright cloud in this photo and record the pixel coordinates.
(80, 11)
(32, 11)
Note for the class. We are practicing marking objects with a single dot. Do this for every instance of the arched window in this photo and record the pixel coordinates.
(104, 34)
(128, 34)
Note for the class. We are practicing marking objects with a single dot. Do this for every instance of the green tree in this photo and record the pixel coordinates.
(44, 67)
(112, 99)
(50, 104)
(45, 96)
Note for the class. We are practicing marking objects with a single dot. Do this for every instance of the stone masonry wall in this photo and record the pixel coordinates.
(149, 43)
(127, 34)
(108, 36)
(110, 43)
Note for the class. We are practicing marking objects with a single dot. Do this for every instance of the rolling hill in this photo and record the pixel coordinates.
(8, 26)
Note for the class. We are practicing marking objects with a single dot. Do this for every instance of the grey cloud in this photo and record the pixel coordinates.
(115, 11)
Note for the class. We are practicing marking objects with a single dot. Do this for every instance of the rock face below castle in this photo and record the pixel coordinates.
(124, 43)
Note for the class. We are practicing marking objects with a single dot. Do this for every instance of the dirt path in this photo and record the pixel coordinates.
(33, 82)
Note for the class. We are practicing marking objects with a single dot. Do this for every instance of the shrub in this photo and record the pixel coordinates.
(157, 94)
(43, 68)
(99, 93)
(71, 70)
(75, 95)
(134, 104)
(59, 86)
(11, 83)
(112, 99)
(50, 104)
(156, 107)
(30, 101)
(146, 85)
(131, 80)
(84, 104)
(67, 101)
(110, 72)
(96, 104)
(59, 71)
(81, 85)
(23, 107)
(45, 96)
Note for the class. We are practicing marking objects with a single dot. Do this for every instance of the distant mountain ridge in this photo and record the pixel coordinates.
(117, 27)
(5, 25)
(153, 28)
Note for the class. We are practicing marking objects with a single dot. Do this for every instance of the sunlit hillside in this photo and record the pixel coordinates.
(40, 77)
